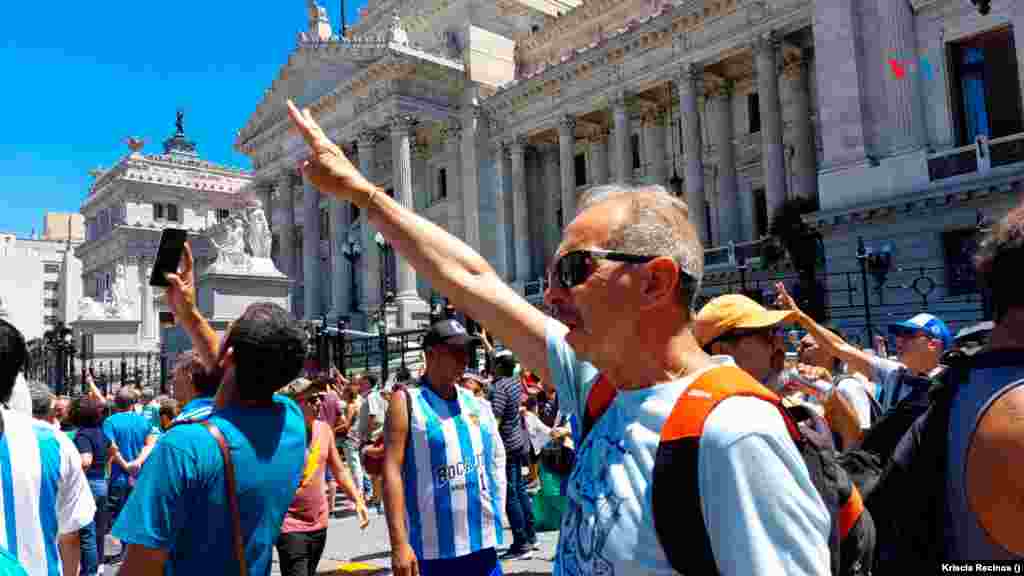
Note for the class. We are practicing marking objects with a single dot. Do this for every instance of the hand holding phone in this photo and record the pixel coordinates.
(168, 256)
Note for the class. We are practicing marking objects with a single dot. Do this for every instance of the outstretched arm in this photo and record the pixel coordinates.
(451, 266)
(855, 358)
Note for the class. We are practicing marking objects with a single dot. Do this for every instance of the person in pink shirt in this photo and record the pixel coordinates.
(304, 531)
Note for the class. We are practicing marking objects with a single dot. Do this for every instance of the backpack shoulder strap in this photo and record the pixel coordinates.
(600, 397)
(694, 405)
(231, 493)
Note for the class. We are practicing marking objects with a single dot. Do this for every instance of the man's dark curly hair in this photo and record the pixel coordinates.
(999, 259)
(13, 356)
(269, 347)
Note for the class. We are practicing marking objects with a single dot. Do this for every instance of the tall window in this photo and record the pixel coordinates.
(51, 268)
(158, 211)
(760, 214)
(753, 113)
(707, 224)
(442, 184)
(581, 170)
(325, 224)
(986, 91)
(635, 145)
(172, 213)
(222, 214)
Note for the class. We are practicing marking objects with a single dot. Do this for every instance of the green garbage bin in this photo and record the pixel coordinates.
(549, 502)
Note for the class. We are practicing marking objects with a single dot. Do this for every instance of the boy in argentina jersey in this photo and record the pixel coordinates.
(444, 468)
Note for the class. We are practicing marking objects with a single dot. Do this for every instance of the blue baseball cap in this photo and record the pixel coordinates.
(927, 324)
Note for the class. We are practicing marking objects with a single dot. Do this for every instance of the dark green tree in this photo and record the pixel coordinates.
(793, 241)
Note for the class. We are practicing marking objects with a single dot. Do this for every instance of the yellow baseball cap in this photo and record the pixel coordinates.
(734, 312)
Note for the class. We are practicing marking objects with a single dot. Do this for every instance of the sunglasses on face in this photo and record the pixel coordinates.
(769, 334)
(573, 268)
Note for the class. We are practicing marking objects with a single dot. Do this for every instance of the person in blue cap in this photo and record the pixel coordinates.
(920, 342)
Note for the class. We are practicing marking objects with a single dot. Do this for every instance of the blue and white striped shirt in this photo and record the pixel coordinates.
(199, 408)
(43, 492)
(454, 475)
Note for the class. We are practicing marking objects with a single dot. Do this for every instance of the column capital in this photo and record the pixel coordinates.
(768, 42)
(367, 137)
(402, 124)
(690, 77)
(451, 130)
(517, 145)
(567, 124)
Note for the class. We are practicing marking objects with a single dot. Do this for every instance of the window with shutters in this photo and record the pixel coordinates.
(581, 170)
(442, 184)
(635, 146)
(753, 113)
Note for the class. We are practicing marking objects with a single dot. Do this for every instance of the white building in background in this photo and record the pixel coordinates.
(34, 289)
(128, 206)
(901, 119)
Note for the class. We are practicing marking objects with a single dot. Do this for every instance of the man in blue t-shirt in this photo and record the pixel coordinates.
(178, 520)
(193, 388)
(131, 437)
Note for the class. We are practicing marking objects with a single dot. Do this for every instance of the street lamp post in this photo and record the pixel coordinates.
(61, 343)
(352, 252)
(386, 296)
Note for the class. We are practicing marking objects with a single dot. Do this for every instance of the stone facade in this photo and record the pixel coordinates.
(738, 105)
(127, 208)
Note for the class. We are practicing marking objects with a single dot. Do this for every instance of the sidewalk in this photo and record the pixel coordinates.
(351, 551)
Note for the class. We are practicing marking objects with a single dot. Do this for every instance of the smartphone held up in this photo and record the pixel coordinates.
(168, 256)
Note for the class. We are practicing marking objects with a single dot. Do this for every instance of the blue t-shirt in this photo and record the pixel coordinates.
(179, 504)
(92, 441)
(199, 408)
(129, 431)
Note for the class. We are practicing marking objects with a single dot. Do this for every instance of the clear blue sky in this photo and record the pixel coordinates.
(80, 77)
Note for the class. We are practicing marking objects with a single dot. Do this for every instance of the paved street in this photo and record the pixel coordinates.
(352, 551)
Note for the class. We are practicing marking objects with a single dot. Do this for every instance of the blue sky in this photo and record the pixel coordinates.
(80, 77)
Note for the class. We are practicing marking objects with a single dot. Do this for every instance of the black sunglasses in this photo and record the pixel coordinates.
(573, 268)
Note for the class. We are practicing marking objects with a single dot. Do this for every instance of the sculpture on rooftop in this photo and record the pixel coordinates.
(179, 122)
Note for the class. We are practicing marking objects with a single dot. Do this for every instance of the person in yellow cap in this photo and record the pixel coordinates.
(735, 325)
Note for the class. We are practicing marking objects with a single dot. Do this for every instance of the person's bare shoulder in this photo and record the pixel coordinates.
(994, 490)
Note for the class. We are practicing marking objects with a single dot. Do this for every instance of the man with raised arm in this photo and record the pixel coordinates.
(622, 284)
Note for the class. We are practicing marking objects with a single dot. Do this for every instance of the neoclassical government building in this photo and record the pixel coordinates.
(901, 119)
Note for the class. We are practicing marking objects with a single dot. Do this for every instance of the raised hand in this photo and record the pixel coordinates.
(327, 167)
(784, 300)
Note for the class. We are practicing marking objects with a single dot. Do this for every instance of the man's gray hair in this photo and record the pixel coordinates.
(44, 403)
(657, 224)
(126, 397)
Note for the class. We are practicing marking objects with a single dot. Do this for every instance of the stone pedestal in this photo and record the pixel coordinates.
(111, 337)
(222, 297)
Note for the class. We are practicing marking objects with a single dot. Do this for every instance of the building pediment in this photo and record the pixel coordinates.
(319, 74)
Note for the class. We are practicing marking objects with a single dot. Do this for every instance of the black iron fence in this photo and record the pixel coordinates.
(863, 303)
(65, 373)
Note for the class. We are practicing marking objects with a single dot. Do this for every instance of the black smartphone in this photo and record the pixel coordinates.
(172, 245)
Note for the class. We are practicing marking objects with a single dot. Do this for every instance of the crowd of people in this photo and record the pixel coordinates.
(683, 440)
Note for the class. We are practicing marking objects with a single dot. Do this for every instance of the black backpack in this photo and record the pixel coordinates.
(678, 519)
(909, 502)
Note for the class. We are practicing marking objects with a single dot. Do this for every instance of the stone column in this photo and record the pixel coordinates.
(599, 157)
(370, 258)
(286, 229)
(623, 153)
(567, 158)
(805, 156)
(551, 193)
(773, 161)
(340, 272)
(837, 72)
(500, 236)
(470, 185)
(146, 306)
(693, 148)
(728, 203)
(521, 219)
(904, 122)
(406, 297)
(311, 250)
(654, 139)
(451, 133)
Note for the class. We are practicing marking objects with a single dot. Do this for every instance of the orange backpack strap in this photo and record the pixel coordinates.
(600, 397)
(698, 400)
